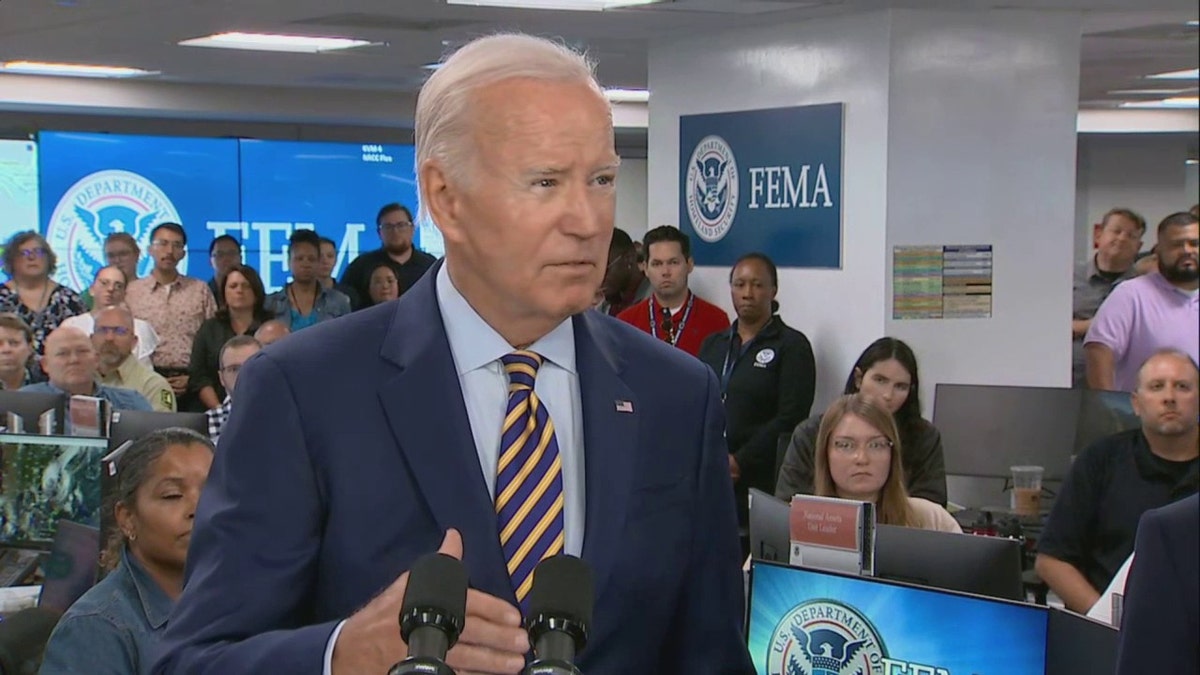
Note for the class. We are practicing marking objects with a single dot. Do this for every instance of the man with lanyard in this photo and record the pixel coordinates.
(672, 312)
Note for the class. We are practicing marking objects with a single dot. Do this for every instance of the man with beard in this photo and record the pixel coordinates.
(1160, 310)
(115, 339)
(1091, 529)
(1117, 238)
(395, 226)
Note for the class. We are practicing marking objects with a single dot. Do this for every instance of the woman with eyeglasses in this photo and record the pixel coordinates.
(767, 374)
(886, 374)
(115, 626)
(241, 310)
(858, 457)
(304, 302)
(30, 293)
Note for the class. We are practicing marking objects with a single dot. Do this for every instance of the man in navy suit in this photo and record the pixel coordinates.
(366, 441)
(1162, 597)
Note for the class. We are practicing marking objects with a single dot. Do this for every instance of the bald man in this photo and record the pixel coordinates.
(72, 364)
(271, 331)
(116, 341)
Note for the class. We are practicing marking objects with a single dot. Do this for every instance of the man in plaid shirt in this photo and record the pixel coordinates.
(234, 353)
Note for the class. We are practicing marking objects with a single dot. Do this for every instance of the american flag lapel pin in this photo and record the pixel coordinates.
(624, 406)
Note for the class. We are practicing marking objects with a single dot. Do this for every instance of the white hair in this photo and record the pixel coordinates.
(443, 117)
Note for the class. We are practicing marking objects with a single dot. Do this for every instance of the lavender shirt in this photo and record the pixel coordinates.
(1142, 316)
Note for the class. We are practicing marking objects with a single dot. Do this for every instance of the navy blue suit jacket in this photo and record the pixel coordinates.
(1162, 595)
(349, 453)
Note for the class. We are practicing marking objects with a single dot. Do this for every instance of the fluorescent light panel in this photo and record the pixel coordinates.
(1192, 74)
(577, 5)
(270, 42)
(1148, 92)
(70, 69)
(627, 95)
(1184, 102)
(1193, 23)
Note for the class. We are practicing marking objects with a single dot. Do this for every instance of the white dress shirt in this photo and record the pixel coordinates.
(477, 348)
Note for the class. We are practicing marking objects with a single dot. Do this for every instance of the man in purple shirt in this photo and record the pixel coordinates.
(1157, 311)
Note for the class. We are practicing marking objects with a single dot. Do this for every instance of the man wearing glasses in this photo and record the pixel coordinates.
(234, 353)
(175, 306)
(115, 338)
(109, 289)
(223, 253)
(70, 363)
(395, 226)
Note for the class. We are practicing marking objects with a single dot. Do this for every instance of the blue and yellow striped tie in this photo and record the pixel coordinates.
(529, 485)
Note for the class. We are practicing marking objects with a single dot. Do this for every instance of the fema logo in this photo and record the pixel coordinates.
(96, 206)
(712, 188)
(825, 637)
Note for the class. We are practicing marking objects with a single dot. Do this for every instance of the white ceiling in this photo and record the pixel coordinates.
(1124, 39)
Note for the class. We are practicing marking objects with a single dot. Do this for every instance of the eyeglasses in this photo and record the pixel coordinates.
(32, 253)
(391, 227)
(876, 446)
(226, 254)
(119, 331)
(111, 284)
(120, 255)
(165, 243)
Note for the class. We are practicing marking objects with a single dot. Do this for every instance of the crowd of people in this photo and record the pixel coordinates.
(440, 422)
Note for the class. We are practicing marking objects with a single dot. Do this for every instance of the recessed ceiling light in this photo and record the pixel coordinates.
(579, 5)
(1192, 74)
(1185, 102)
(432, 66)
(1193, 23)
(269, 42)
(71, 69)
(1192, 162)
(1148, 92)
(627, 95)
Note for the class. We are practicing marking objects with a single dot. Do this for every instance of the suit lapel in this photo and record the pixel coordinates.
(426, 414)
(610, 443)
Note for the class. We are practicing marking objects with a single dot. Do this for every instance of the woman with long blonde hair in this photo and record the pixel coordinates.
(858, 457)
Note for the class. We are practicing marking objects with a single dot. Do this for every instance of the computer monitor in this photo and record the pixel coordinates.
(30, 406)
(806, 621)
(130, 425)
(45, 479)
(987, 429)
(1079, 645)
(989, 566)
(72, 566)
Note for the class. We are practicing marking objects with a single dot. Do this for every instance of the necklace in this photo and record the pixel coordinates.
(41, 303)
(296, 302)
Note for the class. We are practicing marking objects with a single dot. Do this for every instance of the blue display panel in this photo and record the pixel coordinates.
(813, 623)
(18, 187)
(257, 191)
(95, 184)
(333, 188)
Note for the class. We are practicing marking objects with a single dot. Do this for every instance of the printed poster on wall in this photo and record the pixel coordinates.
(763, 180)
(942, 282)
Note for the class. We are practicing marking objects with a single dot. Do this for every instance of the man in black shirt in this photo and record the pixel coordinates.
(395, 226)
(1092, 526)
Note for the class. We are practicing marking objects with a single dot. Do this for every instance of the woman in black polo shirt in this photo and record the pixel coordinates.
(767, 374)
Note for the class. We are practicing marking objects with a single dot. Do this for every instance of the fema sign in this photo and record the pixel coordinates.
(763, 180)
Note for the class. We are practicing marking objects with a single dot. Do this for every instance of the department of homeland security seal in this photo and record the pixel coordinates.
(825, 637)
(712, 188)
(96, 206)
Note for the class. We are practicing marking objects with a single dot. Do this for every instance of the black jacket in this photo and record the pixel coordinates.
(769, 391)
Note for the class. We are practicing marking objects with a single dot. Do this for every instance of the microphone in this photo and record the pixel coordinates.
(560, 614)
(23, 638)
(432, 616)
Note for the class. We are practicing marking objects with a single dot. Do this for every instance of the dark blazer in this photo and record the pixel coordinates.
(770, 390)
(1162, 594)
(350, 453)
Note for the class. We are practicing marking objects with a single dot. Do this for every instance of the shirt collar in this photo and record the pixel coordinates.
(155, 602)
(474, 344)
(1159, 280)
(126, 370)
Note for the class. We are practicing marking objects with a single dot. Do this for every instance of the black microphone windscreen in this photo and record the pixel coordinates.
(437, 581)
(563, 586)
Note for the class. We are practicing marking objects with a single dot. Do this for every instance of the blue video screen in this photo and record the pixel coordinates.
(805, 622)
(92, 185)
